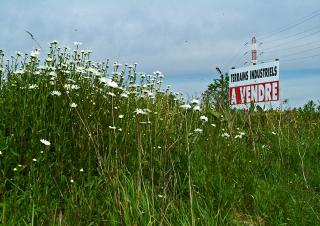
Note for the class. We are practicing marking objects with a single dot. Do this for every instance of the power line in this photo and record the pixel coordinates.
(299, 58)
(290, 26)
(293, 59)
(291, 47)
(231, 61)
(294, 40)
(310, 32)
(296, 34)
(299, 52)
(279, 47)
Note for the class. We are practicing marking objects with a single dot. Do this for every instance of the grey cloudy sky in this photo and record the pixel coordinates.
(185, 40)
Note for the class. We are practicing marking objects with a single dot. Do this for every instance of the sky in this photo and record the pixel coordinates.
(186, 40)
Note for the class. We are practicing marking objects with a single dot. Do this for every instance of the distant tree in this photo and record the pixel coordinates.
(310, 106)
(217, 93)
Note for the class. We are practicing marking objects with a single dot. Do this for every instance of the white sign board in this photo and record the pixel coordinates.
(257, 83)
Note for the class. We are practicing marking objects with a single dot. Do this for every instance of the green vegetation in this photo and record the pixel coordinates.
(85, 144)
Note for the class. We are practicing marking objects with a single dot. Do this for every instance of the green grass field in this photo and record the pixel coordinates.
(86, 143)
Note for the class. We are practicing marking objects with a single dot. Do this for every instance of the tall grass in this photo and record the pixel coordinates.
(88, 143)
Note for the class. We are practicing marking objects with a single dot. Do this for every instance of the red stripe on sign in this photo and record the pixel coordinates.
(260, 92)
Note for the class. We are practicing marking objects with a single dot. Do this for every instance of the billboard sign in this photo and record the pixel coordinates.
(257, 83)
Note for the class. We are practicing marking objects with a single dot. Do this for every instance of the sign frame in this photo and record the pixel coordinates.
(259, 83)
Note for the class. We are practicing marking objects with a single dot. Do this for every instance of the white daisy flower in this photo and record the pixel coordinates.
(225, 135)
(53, 74)
(121, 116)
(109, 82)
(54, 42)
(67, 86)
(118, 65)
(56, 93)
(198, 130)
(197, 108)
(186, 106)
(240, 135)
(195, 101)
(73, 105)
(33, 86)
(124, 95)
(139, 111)
(35, 160)
(81, 170)
(19, 72)
(75, 87)
(157, 72)
(111, 94)
(204, 118)
(77, 43)
(45, 142)
(34, 54)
